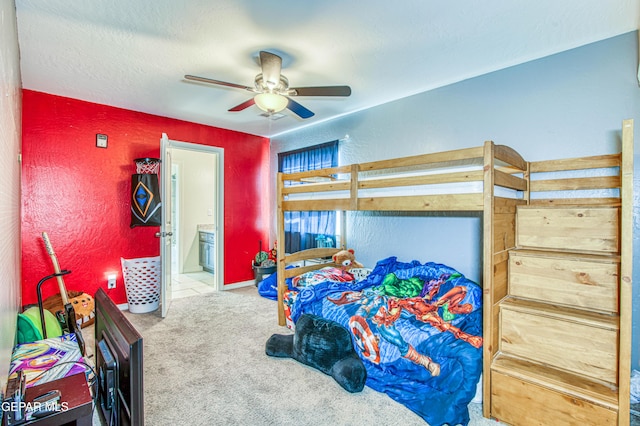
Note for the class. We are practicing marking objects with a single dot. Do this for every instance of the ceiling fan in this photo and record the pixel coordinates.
(273, 93)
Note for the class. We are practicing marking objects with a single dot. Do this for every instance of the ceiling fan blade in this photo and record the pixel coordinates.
(221, 83)
(322, 91)
(243, 105)
(271, 66)
(299, 110)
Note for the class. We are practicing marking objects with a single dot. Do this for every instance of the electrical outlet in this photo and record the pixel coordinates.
(111, 282)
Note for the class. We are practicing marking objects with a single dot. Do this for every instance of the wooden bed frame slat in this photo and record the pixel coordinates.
(313, 253)
(337, 185)
(600, 182)
(292, 272)
(454, 177)
(447, 202)
(327, 173)
(594, 162)
(507, 180)
(509, 156)
(447, 157)
(313, 205)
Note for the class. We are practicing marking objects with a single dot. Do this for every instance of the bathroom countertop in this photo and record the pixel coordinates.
(210, 229)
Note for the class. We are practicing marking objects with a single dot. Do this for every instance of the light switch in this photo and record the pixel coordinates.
(101, 140)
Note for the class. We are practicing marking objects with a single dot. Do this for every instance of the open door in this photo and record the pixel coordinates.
(171, 152)
(165, 234)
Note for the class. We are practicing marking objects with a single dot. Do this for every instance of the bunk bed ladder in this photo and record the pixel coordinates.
(564, 326)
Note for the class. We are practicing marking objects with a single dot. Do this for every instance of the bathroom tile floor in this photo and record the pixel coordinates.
(192, 284)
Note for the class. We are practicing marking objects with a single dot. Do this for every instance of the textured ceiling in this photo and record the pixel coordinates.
(134, 54)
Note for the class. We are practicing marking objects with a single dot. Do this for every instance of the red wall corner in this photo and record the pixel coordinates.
(79, 193)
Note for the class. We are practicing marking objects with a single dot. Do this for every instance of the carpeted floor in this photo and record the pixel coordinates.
(205, 365)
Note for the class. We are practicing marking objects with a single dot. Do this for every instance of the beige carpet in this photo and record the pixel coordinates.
(205, 365)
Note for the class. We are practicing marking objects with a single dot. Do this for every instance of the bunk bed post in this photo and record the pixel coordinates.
(343, 230)
(626, 270)
(527, 177)
(353, 203)
(487, 276)
(280, 262)
(354, 187)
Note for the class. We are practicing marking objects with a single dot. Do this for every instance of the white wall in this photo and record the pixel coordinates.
(566, 105)
(10, 146)
(197, 188)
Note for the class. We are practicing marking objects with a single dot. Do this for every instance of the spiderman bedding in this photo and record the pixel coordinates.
(417, 328)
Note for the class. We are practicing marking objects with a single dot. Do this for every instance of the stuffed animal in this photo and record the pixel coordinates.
(324, 345)
(346, 259)
(83, 305)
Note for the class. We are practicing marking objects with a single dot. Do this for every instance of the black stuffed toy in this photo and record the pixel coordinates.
(325, 345)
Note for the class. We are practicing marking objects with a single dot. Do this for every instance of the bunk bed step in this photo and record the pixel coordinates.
(577, 229)
(527, 393)
(583, 281)
(565, 338)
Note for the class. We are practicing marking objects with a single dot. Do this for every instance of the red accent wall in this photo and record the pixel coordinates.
(80, 194)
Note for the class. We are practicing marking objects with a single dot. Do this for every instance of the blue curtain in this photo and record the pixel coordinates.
(304, 230)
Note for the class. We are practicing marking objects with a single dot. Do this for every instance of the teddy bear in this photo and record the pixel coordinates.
(346, 259)
(83, 305)
(325, 345)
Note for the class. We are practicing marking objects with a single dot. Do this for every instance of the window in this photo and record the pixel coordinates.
(304, 230)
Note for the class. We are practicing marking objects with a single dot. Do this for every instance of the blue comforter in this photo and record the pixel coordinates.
(417, 328)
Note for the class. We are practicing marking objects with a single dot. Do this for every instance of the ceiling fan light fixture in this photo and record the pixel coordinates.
(271, 102)
(272, 92)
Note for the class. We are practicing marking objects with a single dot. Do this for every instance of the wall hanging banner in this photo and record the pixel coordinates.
(145, 200)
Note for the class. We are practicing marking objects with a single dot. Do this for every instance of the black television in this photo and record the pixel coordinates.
(118, 357)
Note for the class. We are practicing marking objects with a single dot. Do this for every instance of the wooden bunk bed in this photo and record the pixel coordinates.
(555, 257)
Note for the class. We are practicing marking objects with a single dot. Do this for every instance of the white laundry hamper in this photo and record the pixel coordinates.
(142, 283)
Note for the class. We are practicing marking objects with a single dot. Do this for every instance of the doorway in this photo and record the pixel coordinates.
(196, 205)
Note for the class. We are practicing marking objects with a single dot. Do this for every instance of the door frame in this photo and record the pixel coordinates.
(219, 196)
